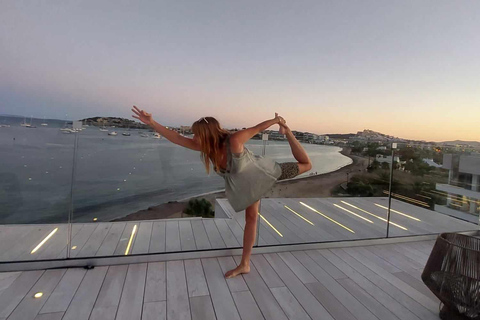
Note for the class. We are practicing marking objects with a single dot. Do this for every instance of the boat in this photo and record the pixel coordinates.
(44, 123)
(144, 135)
(30, 125)
(157, 135)
(127, 134)
(113, 133)
(24, 123)
(103, 128)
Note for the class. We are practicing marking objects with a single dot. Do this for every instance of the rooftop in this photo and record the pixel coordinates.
(375, 282)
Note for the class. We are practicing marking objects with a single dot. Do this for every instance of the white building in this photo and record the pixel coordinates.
(463, 188)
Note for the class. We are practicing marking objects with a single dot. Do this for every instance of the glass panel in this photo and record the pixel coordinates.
(35, 188)
(132, 192)
(435, 189)
(336, 200)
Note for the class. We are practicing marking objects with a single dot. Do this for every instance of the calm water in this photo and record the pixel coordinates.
(113, 175)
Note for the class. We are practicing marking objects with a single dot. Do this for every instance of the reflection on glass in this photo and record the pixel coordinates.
(35, 188)
(430, 188)
(334, 201)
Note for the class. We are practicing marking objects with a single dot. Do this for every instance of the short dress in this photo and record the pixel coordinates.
(248, 177)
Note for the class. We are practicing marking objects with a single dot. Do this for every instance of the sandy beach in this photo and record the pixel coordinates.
(320, 185)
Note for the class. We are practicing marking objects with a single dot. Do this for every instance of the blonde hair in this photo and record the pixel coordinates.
(211, 137)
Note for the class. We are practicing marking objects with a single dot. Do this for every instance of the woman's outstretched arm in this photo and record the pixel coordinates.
(171, 135)
(240, 137)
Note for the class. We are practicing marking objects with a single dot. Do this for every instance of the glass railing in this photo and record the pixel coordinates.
(90, 193)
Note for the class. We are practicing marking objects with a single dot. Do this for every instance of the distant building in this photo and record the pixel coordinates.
(463, 188)
(275, 135)
(432, 163)
(388, 159)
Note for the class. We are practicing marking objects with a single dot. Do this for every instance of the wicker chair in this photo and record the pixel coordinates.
(452, 273)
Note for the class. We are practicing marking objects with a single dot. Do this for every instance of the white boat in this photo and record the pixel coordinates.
(113, 133)
(157, 135)
(30, 125)
(144, 135)
(103, 128)
(44, 123)
(127, 134)
(24, 123)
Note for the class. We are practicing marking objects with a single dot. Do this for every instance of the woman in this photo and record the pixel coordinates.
(247, 176)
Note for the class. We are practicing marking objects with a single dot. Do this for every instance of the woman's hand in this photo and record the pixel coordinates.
(143, 116)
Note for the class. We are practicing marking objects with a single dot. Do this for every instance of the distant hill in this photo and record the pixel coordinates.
(456, 142)
(344, 136)
(114, 121)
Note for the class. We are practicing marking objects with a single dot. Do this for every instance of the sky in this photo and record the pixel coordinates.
(405, 68)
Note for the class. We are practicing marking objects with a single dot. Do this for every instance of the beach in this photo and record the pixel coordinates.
(320, 185)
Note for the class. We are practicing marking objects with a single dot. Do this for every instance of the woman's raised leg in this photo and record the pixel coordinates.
(304, 163)
(249, 234)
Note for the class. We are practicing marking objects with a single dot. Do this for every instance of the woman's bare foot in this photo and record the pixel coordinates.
(238, 270)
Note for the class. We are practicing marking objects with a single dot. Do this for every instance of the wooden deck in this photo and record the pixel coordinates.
(282, 221)
(365, 283)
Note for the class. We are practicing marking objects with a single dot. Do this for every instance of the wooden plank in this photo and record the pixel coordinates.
(364, 254)
(84, 299)
(196, 282)
(109, 244)
(131, 303)
(201, 238)
(227, 234)
(368, 301)
(202, 308)
(108, 299)
(95, 240)
(155, 310)
(417, 284)
(400, 261)
(309, 303)
(326, 265)
(156, 284)
(300, 271)
(158, 240)
(178, 306)
(172, 234)
(187, 240)
(9, 299)
(236, 283)
(338, 292)
(246, 305)
(221, 297)
(53, 246)
(142, 240)
(21, 249)
(272, 280)
(263, 296)
(7, 278)
(50, 316)
(236, 229)
(289, 304)
(125, 239)
(397, 283)
(80, 239)
(29, 307)
(336, 309)
(213, 234)
(382, 297)
(64, 292)
(414, 306)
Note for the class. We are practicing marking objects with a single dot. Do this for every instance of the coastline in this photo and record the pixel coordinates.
(319, 185)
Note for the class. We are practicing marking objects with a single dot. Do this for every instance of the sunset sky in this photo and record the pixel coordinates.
(406, 68)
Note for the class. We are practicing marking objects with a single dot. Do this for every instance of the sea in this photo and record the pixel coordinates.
(47, 175)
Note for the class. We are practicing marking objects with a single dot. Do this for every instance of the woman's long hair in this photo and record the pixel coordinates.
(211, 136)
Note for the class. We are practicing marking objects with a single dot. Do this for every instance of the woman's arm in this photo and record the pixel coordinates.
(241, 137)
(171, 135)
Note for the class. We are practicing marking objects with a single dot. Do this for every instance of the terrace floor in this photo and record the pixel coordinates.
(282, 221)
(365, 283)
